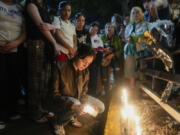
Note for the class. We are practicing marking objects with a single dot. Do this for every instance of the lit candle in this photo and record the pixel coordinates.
(90, 110)
(129, 115)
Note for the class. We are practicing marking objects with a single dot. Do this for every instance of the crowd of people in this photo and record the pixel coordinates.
(66, 66)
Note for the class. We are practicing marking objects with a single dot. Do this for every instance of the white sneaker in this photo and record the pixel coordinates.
(59, 130)
(50, 114)
(2, 125)
(45, 118)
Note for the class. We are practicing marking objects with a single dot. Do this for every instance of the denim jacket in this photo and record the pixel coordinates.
(140, 28)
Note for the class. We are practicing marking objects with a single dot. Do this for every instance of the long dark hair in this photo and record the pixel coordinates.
(43, 4)
(77, 15)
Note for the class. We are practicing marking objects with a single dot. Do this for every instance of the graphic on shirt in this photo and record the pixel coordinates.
(82, 39)
(96, 41)
(10, 12)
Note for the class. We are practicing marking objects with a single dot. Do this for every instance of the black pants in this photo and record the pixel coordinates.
(39, 73)
(95, 72)
(117, 74)
(9, 84)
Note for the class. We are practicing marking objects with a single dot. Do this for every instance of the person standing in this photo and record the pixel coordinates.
(147, 4)
(65, 32)
(12, 34)
(116, 20)
(82, 34)
(113, 53)
(95, 67)
(42, 48)
(136, 27)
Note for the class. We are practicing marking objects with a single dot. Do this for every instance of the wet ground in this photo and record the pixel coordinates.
(153, 119)
(25, 126)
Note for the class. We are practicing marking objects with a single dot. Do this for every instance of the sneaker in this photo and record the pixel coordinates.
(42, 119)
(59, 130)
(75, 122)
(45, 117)
(15, 117)
(2, 125)
(50, 114)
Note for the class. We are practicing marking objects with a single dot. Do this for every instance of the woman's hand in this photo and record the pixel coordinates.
(110, 56)
(91, 110)
(47, 27)
(79, 109)
(7, 47)
(2, 44)
(107, 51)
(56, 50)
(72, 51)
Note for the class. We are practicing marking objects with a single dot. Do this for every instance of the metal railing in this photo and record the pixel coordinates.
(170, 78)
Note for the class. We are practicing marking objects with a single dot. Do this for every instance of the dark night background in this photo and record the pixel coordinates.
(99, 10)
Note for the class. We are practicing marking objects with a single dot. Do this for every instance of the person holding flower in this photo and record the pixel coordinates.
(133, 31)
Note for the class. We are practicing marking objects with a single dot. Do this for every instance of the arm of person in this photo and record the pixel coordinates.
(2, 44)
(14, 44)
(34, 14)
(75, 41)
(47, 27)
(121, 33)
(118, 52)
(56, 96)
(59, 38)
(127, 32)
(100, 42)
(79, 109)
(85, 86)
(85, 89)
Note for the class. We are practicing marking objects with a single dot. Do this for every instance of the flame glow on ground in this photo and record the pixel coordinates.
(89, 109)
(128, 114)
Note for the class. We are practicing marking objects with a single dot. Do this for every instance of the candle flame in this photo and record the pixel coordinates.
(89, 109)
(124, 114)
(124, 97)
(129, 112)
(138, 130)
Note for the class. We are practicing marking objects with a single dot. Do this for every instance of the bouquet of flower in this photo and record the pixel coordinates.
(135, 38)
(156, 48)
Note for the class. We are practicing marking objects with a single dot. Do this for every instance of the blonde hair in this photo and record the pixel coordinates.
(140, 12)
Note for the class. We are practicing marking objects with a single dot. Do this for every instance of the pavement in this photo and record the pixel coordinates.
(25, 126)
